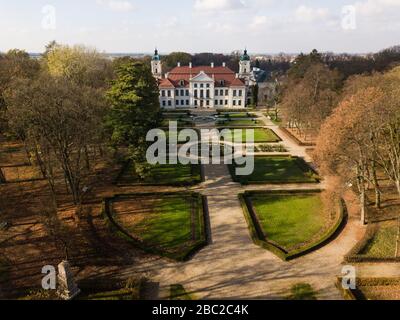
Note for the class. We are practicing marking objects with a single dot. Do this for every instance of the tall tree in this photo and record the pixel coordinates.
(135, 109)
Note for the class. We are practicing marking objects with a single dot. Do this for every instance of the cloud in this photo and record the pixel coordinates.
(373, 7)
(258, 21)
(214, 5)
(117, 5)
(308, 14)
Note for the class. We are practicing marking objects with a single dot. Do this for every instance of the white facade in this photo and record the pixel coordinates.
(204, 87)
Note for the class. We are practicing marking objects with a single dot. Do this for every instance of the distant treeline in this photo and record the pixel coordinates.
(346, 64)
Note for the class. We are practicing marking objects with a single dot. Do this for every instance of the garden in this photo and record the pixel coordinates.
(277, 169)
(290, 224)
(169, 224)
(162, 174)
(261, 135)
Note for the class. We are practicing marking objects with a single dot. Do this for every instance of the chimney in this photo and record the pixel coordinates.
(179, 64)
(190, 65)
(223, 64)
(237, 75)
(212, 64)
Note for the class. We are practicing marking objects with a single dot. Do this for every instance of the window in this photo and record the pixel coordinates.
(163, 103)
(234, 102)
(195, 93)
(182, 93)
(208, 94)
(201, 85)
(240, 93)
(240, 102)
(226, 102)
(195, 102)
(201, 93)
(234, 93)
(169, 103)
(177, 102)
(221, 92)
(221, 102)
(195, 85)
(187, 102)
(162, 93)
(182, 83)
(216, 92)
(169, 93)
(187, 92)
(177, 93)
(208, 102)
(222, 82)
(226, 92)
(207, 85)
(216, 102)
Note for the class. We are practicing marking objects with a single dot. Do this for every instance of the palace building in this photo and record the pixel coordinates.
(208, 87)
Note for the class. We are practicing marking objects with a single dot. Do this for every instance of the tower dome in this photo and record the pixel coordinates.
(156, 56)
(245, 56)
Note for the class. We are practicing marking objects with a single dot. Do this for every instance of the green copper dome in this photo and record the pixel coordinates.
(156, 56)
(245, 56)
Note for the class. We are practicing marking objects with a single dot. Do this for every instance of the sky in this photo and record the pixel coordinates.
(263, 26)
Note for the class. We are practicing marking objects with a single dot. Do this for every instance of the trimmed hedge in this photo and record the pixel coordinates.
(355, 254)
(301, 163)
(196, 169)
(357, 294)
(259, 238)
(122, 233)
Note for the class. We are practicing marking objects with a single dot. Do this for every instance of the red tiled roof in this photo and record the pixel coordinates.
(165, 83)
(196, 70)
(178, 74)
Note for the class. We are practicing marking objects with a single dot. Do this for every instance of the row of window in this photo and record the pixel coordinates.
(225, 102)
(183, 93)
(202, 85)
(207, 103)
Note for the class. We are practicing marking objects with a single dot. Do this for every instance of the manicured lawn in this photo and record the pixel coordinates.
(243, 122)
(164, 174)
(238, 115)
(260, 135)
(290, 220)
(383, 244)
(167, 224)
(277, 170)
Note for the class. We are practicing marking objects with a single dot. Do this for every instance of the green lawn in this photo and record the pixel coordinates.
(243, 122)
(261, 135)
(166, 174)
(238, 115)
(383, 244)
(277, 170)
(171, 224)
(290, 220)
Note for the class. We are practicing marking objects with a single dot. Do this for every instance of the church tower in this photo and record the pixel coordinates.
(156, 65)
(244, 66)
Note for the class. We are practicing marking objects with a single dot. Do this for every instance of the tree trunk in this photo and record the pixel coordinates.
(398, 242)
(376, 186)
(2, 177)
(363, 207)
(398, 186)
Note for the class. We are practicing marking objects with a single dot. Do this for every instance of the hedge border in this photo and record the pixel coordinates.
(300, 162)
(122, 233)
(191, 183)
(355, 256)
(278, 138)
(357, 294)
(259, 239)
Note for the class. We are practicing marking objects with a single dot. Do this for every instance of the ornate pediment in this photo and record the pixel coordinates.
(202, 77)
